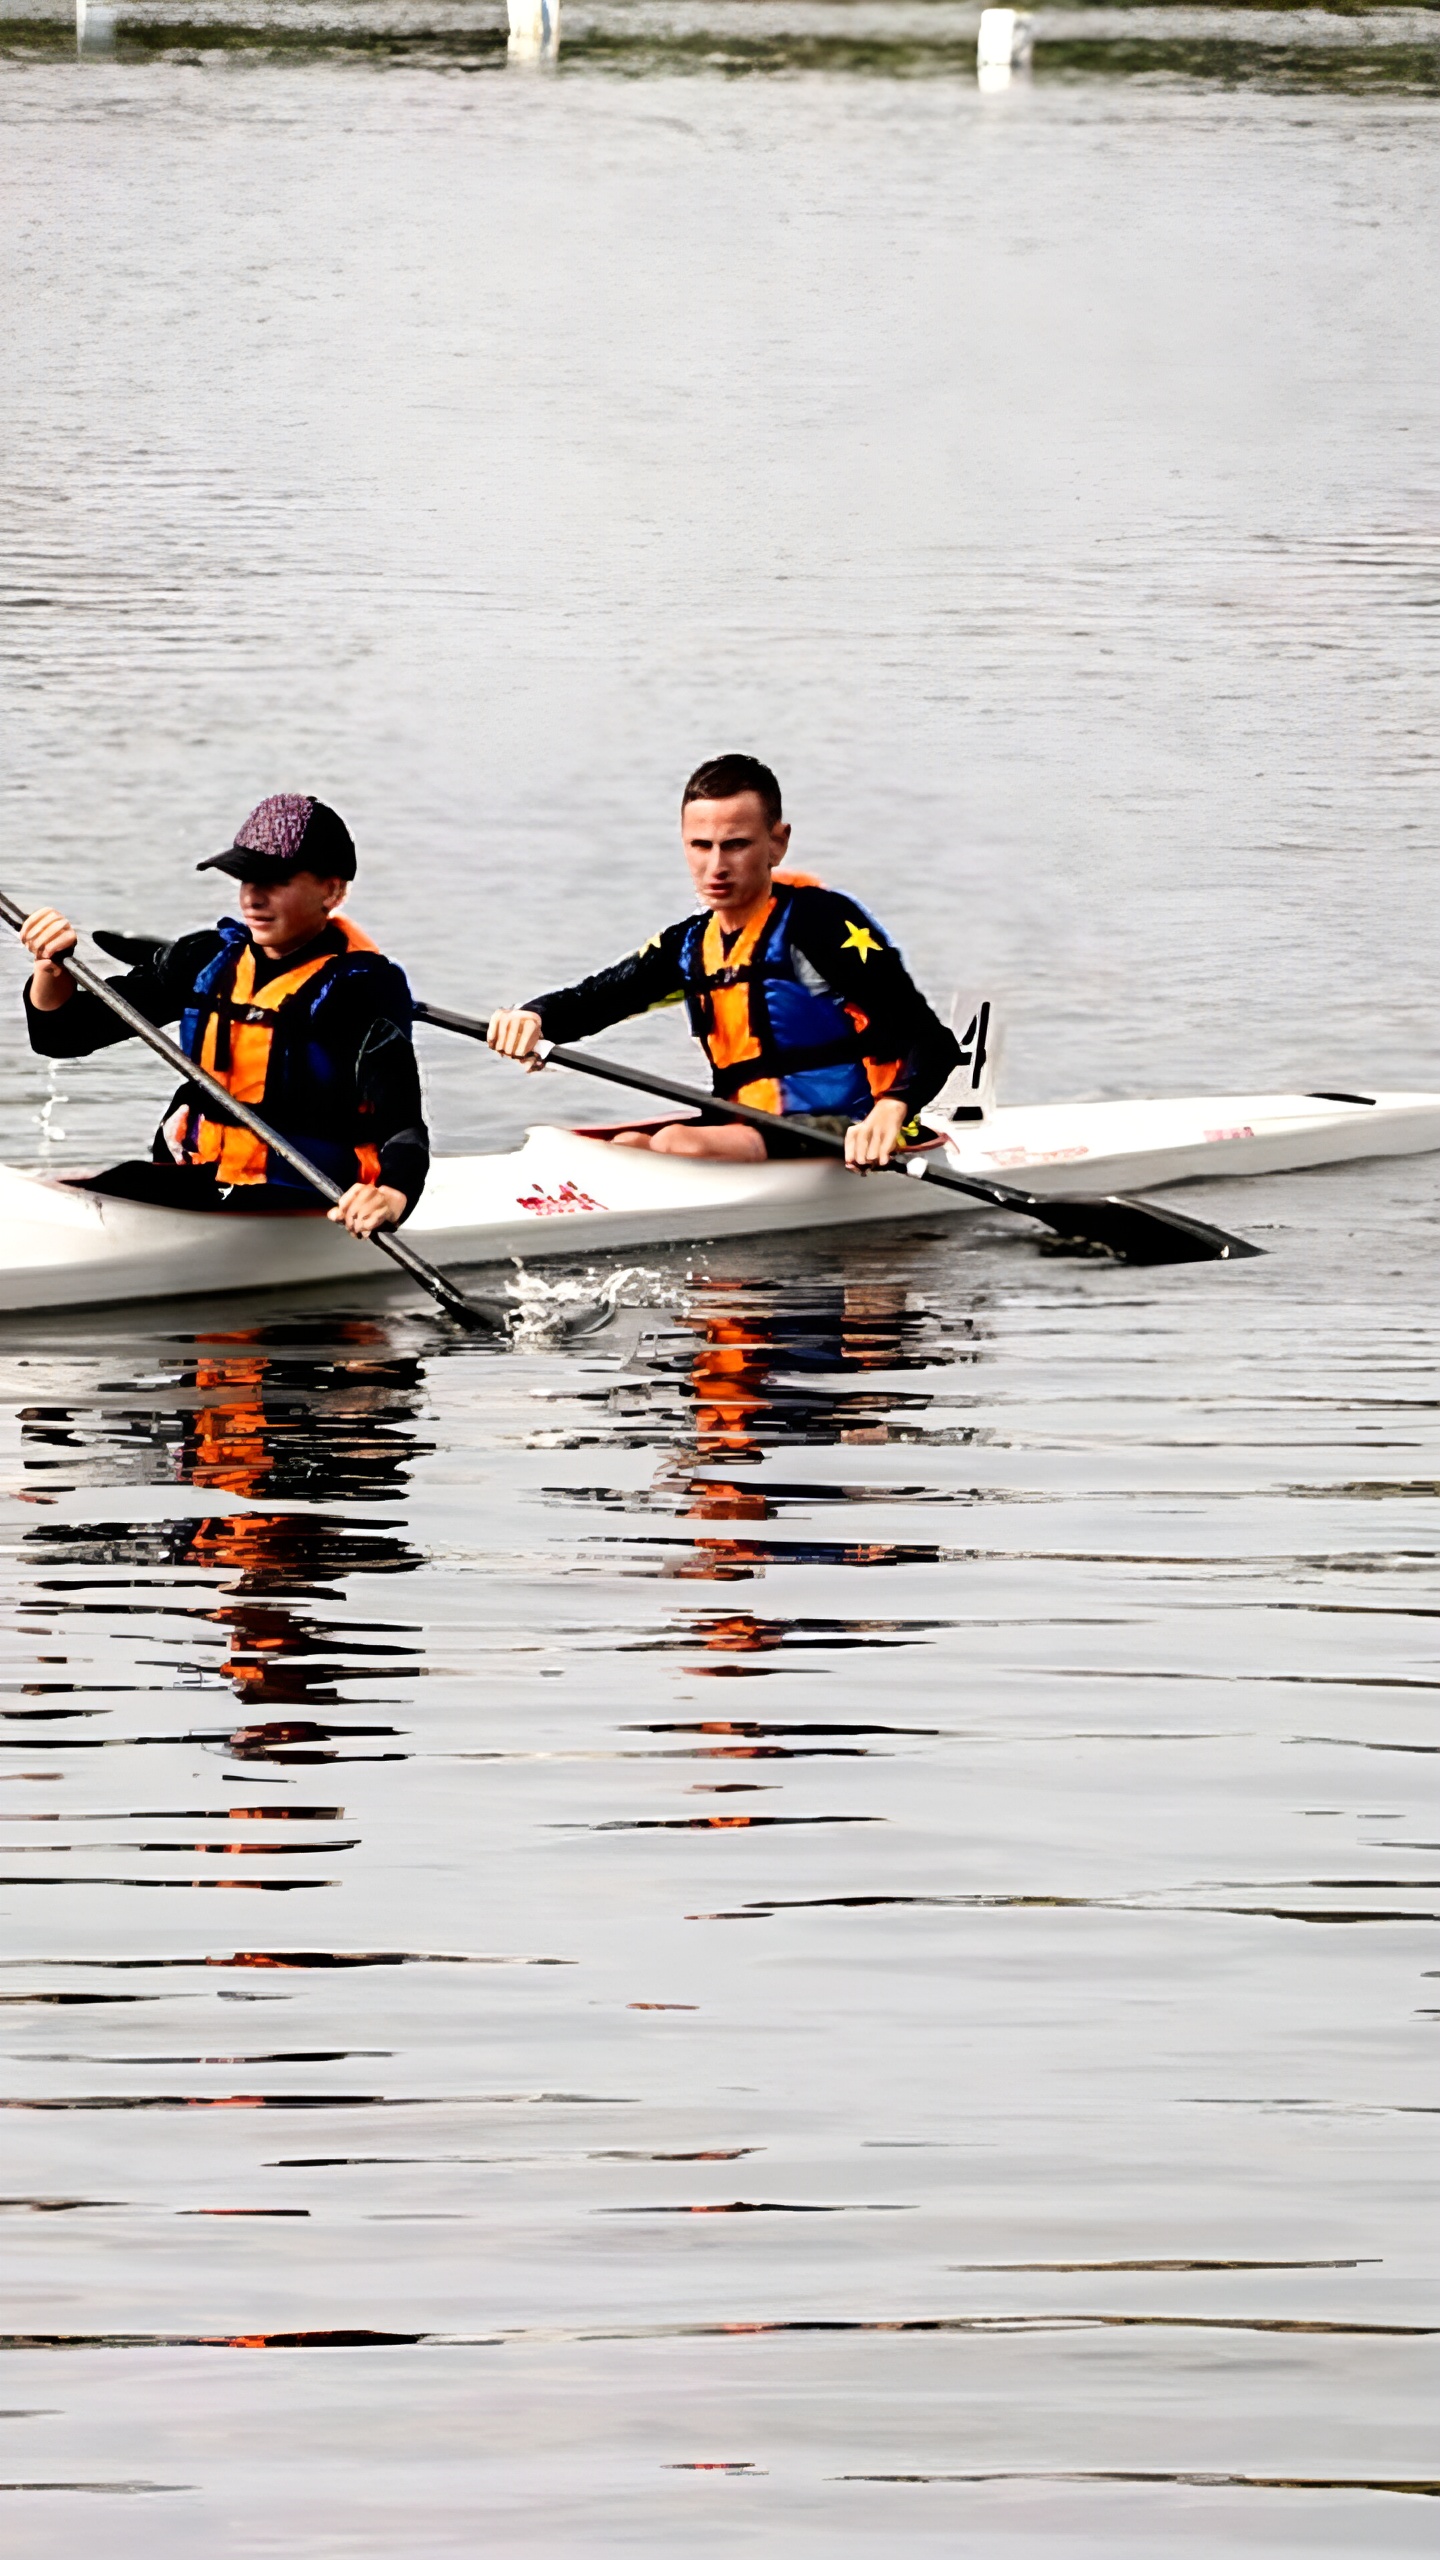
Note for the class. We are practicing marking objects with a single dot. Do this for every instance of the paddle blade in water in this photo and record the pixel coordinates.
(477, 1315)
(1138, 1231)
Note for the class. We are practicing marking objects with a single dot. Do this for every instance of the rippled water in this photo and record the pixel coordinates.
(852, 1865)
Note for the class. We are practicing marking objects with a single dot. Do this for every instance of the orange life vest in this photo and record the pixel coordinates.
(231, 1030)
(775, 1035)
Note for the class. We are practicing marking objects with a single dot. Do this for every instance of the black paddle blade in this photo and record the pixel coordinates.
(1138, 1231)
(473, 1315)
(498, 1318)
(478, 1315)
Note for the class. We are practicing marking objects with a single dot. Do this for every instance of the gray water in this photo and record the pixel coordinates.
(881, 1983)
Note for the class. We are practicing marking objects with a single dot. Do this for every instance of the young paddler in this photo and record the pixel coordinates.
(292, 1008)
(801, 1002)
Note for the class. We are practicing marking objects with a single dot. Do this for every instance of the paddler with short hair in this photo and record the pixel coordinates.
(798, 997)
(294, 1010)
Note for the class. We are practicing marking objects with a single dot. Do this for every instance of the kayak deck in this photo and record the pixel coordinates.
(568, 1192)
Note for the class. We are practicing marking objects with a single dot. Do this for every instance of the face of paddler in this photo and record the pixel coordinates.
(731, 849)
(280, 915)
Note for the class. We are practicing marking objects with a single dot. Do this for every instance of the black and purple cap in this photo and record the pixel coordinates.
(287, 833)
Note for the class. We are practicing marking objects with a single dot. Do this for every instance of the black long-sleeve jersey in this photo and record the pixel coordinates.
(387, 1079)
(850, 956)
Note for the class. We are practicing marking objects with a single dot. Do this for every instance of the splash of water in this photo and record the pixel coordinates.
(50, 1130)
(551, 1311)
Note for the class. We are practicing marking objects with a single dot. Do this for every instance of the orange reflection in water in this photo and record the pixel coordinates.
(740, 1354)
(296, 1419)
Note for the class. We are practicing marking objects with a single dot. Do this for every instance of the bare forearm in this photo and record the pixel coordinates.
(50, 987)
(49, 938)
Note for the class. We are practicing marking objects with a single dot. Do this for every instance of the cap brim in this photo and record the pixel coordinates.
(264, 868)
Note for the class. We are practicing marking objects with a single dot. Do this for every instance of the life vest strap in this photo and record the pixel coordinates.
(230, 1011)
(728, 1080)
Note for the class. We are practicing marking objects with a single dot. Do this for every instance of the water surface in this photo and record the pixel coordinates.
(852, 1867)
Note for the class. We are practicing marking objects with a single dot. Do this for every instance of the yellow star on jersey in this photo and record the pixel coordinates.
(652, 945)
(858, 937)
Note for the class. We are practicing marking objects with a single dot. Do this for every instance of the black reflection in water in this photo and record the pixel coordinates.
(79, 1999)
(222, 2061)
(743, 2205)
(707, 1497)
(738, 2151)
(292, 1412)
(304, 1745)
(1156, 2479)
(268, 1960)
(741, 1559)
(746, 1738)
(1145, 2266)
(20, 2341)
(720, 1822)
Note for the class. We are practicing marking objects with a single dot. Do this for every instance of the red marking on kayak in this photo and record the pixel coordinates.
(556, 1204)
(1213, 1135)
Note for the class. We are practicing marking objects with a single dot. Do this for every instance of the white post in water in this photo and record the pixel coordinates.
(94, 28)
(534, 31)
(1004, 46)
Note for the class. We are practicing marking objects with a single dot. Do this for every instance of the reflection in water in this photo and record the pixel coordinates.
(291, 1451)
(313, 1425)
(18, 2342)
(739, 1631)
(288, 1413)
(749, 1346)
(760, 1363)
(1161, 2479)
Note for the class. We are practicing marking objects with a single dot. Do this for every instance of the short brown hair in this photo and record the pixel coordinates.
(725, 777)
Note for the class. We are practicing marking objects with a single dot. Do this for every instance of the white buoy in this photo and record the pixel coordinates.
(1004, 46)
(94, 28)
(534, 31)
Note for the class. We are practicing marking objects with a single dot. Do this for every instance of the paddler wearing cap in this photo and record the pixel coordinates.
(293, 1009)
(800, 1000)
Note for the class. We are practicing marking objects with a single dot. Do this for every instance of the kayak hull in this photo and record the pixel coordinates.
(564, 1193)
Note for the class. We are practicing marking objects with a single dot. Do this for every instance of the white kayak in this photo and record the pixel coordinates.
(568, 1191)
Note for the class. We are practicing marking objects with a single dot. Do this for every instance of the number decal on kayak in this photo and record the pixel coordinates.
(556, 1204)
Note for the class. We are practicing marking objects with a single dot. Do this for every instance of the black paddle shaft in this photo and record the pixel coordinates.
(1135, 1230)
(476, 1316)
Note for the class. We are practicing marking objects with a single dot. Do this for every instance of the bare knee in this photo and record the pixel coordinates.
(631, 1138)
(732, 1145)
